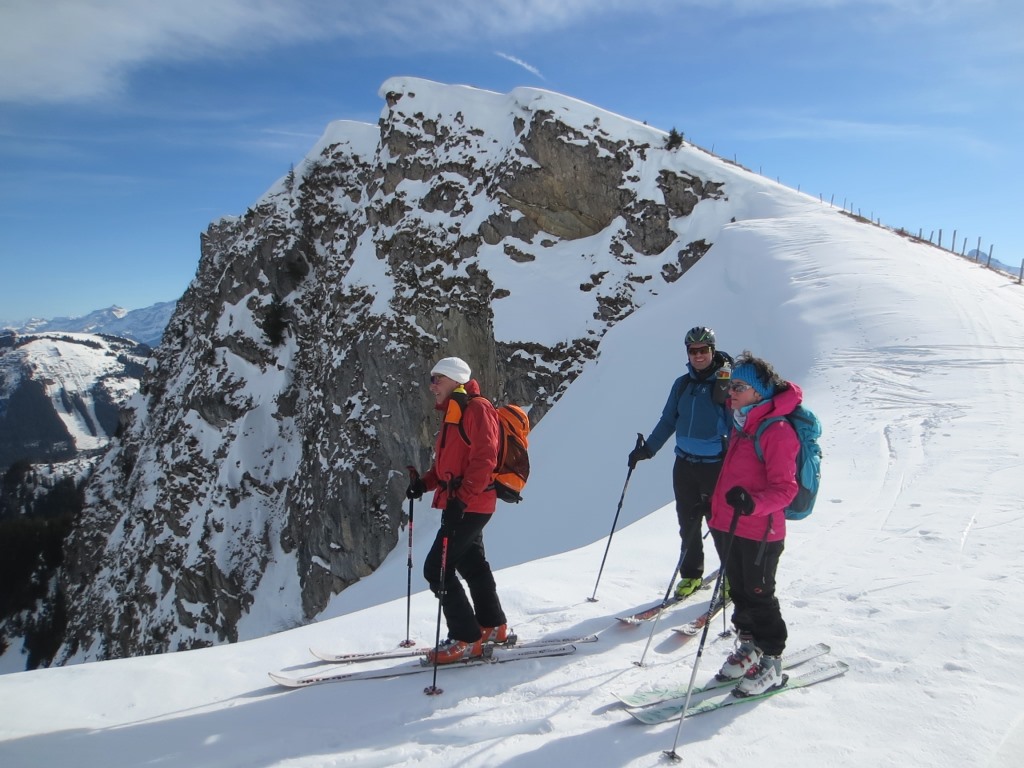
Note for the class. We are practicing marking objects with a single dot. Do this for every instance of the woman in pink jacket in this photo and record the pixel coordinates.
(756, 492)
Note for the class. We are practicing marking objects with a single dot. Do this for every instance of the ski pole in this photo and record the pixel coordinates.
(664, 600)
(432, 689)
(725, 622)
(593, 597)
(661, 610)
(408, 643)
(672, 754)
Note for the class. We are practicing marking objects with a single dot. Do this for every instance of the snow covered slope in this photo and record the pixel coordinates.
(61, 393)
(910, 568)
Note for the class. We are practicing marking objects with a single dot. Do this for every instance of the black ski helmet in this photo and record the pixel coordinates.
(700, 334)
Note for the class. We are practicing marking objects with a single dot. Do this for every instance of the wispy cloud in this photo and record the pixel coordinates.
(774, 126)
(76, 50)
(787, 126)
(56, 51)
(528, 67)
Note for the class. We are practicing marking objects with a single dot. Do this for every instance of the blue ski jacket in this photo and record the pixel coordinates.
(697, 413)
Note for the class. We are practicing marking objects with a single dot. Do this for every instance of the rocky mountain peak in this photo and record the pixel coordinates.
(263, 470)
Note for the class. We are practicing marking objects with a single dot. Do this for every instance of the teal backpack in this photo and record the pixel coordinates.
(808, 460)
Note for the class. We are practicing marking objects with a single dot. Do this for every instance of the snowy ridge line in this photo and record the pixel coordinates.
(650, 696)
(497, 656)
(649, 613)
(670, 711)
(405, 653)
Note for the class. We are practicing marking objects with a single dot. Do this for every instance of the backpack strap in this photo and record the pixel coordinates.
(687, 381)
(757, 435)
(457, 404)
(719, 394)
(760, 457)
(462, 399)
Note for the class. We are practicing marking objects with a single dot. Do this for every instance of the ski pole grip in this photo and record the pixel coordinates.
(735, 519)
(639, 440)
(413, 473)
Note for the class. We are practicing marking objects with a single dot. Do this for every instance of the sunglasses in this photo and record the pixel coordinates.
(739, 386)
(437, 379)
(698, 350)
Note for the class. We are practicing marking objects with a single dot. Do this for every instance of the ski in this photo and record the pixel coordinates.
(646, 697)
(649, 613)
(693, 628)
(670, 711)
(494, 656)
(406, 653)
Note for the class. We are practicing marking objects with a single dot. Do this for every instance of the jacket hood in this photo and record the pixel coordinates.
(782, 404)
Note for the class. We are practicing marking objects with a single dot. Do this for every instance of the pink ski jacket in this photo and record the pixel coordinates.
(771, 483)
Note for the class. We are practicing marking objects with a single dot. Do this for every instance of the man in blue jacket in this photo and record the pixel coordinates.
(696, 413)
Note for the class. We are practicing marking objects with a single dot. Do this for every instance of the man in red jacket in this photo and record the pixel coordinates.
(465, 454)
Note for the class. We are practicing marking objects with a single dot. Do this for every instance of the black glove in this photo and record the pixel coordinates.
(740, 500)
(416, 488)
(453, 512)
(639, 454)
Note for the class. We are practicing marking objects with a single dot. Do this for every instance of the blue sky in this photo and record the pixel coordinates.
(127, 126)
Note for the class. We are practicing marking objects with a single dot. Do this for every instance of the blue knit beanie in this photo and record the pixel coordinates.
(748, 373)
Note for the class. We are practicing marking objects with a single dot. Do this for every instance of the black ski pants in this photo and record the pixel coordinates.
(693, 482)
(464, 557)
(751, 575)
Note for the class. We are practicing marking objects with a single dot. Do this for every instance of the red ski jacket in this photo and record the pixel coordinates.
(465, 458)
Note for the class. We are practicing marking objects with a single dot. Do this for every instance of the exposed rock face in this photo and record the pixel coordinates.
(263, 470)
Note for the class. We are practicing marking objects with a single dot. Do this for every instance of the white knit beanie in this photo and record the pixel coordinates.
(454, 368)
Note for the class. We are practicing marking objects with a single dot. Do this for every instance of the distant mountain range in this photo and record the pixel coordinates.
(145, 325)
(982, 258)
